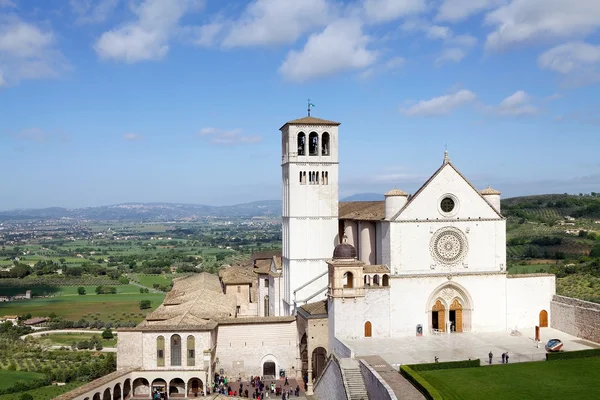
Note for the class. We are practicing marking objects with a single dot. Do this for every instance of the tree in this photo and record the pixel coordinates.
(595, 252)
(26, 396)
(144, 304)
(99, 290)
(107, 334)
(81, 290)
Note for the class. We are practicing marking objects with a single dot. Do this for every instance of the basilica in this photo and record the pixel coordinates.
(427, 263)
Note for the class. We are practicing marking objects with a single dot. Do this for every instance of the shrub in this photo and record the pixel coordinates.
(81, 290)
(144, 304)
(420, 383)
(107, 334)
(569, 355)
(98, 346)
(26, 396)
(446, 365)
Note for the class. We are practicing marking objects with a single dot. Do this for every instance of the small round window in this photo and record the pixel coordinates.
(447, 204)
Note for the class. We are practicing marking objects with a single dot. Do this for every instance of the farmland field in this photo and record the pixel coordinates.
(546, 380)
(44, 393)
(66, 339)
(9, 378)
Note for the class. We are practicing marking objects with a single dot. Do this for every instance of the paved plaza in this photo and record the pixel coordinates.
(521, 347)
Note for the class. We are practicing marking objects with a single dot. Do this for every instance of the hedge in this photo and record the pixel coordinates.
(21, 386)
(568, 355)
(446, 365)
(420, 383)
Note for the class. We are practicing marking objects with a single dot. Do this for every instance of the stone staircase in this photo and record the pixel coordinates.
(353, 380)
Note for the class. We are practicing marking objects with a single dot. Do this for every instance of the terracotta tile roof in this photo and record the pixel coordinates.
(489, 190)
(264, 255)
(238, 275)
(262, 266)
(256, 320)
(310, 121)
(316, 308)
(94, 384)
(362, 210)
(376, 269)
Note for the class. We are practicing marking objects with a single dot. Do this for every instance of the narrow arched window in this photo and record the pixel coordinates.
(376, 280)
(191, 351)
(176, 351)
(301, 143)
(304, 178)
(325, 144)
(385, 280)
(160, 351)
(313, 144)
(348, 280)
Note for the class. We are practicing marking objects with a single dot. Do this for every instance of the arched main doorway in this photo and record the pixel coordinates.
(269, 368)
(456, 316)
(543, 319)
(438, 317)
(195, 387)
(319, 355)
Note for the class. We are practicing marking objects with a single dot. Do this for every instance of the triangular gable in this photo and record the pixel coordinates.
(447, 180)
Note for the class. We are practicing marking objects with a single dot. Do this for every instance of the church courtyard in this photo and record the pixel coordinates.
(521, 347)
(547, 380)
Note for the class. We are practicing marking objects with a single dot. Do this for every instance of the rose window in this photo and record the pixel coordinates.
(448, 246)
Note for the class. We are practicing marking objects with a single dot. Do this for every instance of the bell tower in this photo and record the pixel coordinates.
(309, 167)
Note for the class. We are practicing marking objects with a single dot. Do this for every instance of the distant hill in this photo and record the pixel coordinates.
(148, 212)
(364, 197)
(553, 206)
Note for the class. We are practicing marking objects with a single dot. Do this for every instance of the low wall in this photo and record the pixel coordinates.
(374, 383)
(340, 349)
(330, 385)
(576, 317)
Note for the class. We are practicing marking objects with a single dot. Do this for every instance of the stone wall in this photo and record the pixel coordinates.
(576, 317)
(330, 386)
(375, 385)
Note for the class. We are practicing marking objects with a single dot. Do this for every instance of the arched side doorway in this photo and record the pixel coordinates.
(269, 368)
(319, 356)
(195, 387)
(456, 316)
(543, 319)
(368, 329)
(438, 317)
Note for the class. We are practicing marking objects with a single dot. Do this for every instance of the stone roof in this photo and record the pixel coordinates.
(489, 190)
(344, 251)
(264, 255)
(362, 210)
(376, 269)
(310, 121)
(396, 192)
(194, 301)
(316, 308)
(262, 266)
(238, 275)
(95, 384)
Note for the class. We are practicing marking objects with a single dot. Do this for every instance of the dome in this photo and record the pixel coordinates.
(344, 250)
(396, 192)
(489, 190)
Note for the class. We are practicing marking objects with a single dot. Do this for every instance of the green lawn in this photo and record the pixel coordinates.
(44, 393)
(67, 339)
(565, 379)
(149, 280)
(75, 307)
(9, 378)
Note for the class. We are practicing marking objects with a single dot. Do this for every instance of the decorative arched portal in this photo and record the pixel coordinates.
(107, 395)
(456, 316)
(126, 388)
(319, 356)
(177, 386)
(543, 319)
(438, 316)
(304, 354)
(117, 394)
(141, 387)
(368, 329)
(195, 387)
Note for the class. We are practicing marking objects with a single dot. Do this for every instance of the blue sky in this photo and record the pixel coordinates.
(111, 101)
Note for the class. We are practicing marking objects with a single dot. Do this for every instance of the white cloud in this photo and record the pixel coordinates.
(231, 137)
(451, 54)
(523, 21)
(553, 97)
(268, 22)
(28, 52)
(441, 105)
(7, 4)
(2, 81)
(341, 46)
(392, 64)
(517, 104)
(457, 10)
(146, 38)
(206, 35)
(389, 10)
(577, 62)
(132, 137)
(93, 11)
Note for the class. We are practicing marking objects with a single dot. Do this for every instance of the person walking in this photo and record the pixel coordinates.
(503, 357)
(491, 356)
(506, 357)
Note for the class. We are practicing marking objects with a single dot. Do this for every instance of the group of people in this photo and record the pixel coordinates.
(261, 390)
(504, 357)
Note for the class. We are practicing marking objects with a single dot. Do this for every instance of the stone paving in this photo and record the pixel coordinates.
(235, 385)
(402, 388)
(462, 346)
